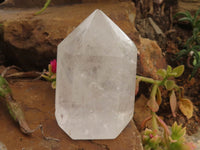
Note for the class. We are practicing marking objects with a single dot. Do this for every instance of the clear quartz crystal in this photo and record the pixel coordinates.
(95, 85)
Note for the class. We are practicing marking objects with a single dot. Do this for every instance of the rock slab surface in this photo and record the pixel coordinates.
(37, 100)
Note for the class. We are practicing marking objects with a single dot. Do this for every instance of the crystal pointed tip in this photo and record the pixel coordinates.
(98, 12)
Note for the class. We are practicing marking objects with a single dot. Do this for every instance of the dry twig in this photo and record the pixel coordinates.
(156, 27)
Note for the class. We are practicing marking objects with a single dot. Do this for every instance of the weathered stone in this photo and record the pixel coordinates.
(188, 5)
(95, 80)
(194, 139)
(100, 1)
(150, 59)
(40, 3)
(37, 100)
(35, 3)
(141, 112)
(31, 41)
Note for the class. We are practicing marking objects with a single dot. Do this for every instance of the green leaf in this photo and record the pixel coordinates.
(195, 17)
(162, 73)
(46, 77)
(182, 53)
(53, 84)
(189, 43)
(169, 69)
(195, 60)
(196, 56)
(186, 19)
(197, 23)
(178, 70)
(186, 14)
(195, 48)
(4, 87)
(197, 13)
(50, 69)
(178, 132)
(194, 71)
(169, 84)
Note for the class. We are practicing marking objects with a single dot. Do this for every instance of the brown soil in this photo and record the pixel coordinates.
(170, 45)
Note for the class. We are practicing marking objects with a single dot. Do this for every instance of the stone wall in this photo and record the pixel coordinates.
(31, 41)
(40, 3)
(188, 5)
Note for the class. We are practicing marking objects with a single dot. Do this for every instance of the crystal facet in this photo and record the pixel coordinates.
(96, 68)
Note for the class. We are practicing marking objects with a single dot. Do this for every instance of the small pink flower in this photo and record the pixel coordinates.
(151, 136)
(53, 65)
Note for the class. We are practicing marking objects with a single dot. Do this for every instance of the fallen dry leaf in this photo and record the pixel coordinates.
(173, 103)
(159, 97)
(186, 107)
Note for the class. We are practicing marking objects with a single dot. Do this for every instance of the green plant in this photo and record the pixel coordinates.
(192, 46)
(195, 61)
(44, 8)
(193, 20)
(194, 39)
(170, 85)
(13, 106)
(154, 140)
(50, 75)
(194, 52)
(175, 140)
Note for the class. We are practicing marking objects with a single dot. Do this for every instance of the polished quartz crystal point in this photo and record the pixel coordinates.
(95, 85)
